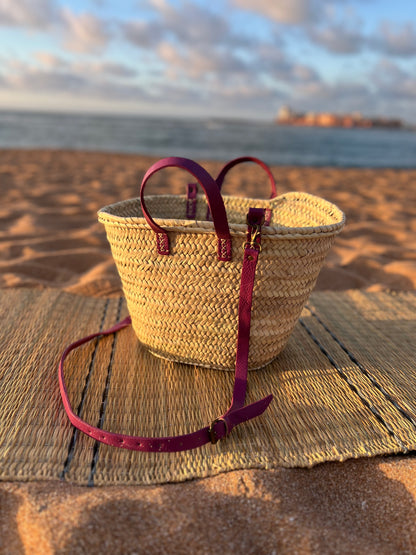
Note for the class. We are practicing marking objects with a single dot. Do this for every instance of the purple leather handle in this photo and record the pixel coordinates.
(232, 163)
(214, 198)
(229, 165)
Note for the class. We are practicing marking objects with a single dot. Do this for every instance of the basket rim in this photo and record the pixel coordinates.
(107, 216)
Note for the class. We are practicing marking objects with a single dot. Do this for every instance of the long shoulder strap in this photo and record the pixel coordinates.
(237, 412)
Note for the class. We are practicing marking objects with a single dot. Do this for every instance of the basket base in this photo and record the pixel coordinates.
(163, 356)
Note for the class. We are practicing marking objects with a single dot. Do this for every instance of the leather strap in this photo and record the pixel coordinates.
(192, 187)
(229, 165)
(191, 201)
(214, 198)
(237, 412)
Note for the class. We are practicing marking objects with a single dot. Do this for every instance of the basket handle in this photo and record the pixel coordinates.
(192, 187)
(214, 198)
(229, 165)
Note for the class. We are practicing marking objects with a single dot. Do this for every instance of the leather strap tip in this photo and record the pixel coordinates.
(192, 190)
(267, 401)
(256, 216)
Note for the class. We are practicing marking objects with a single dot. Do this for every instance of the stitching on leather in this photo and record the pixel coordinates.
(224, 249)
(162, 246)
(267, 216)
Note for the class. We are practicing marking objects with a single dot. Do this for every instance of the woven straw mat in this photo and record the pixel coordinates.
(343, 387)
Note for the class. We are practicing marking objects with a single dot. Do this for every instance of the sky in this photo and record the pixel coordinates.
(218, 58)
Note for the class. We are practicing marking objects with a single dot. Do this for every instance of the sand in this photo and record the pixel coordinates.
(50, 237)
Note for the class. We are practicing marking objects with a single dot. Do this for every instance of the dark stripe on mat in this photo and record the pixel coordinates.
(354, 388)
(364, 371)
(104, 401)
(72, 443)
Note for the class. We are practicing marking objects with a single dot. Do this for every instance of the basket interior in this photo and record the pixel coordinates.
(292, 210)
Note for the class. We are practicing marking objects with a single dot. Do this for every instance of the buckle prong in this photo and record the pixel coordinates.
(254, 233)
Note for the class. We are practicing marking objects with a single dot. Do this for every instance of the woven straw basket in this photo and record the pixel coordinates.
(184, 307)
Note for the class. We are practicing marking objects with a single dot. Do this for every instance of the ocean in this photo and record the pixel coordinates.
(210, 139)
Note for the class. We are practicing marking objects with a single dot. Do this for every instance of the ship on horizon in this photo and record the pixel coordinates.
(287, 116)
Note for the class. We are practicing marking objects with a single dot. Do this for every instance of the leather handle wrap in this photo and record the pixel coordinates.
(215, 203)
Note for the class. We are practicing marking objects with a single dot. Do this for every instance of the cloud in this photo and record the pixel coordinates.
(46, 81)
(186, 23)
(84, 33)
(50, 61)
(388, 84)
(190, 55)
(338, 39)
(77, 83)
(273, 62)
(195, 63)
(36, 14)
(289, 12)
(143, 34)
(304, 74)
(393, 82)
(347, 37)
(111, 83)
(199, 48)
(395, 40)
(388, 90)
(60, 75)
(190, 41)
(115, 69)
(192, 24)
(343, 93)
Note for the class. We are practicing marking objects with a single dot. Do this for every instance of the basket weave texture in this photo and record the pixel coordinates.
(184, 307)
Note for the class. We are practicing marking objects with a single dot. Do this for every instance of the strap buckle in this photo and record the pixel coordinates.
(255, 219)
(211, 430)
(253, 238)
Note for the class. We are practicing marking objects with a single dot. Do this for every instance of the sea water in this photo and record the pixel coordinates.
(211, 139)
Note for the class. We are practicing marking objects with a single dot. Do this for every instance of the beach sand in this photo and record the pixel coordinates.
(50, 237)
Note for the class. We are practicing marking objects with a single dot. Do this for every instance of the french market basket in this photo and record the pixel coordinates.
(184, 303)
